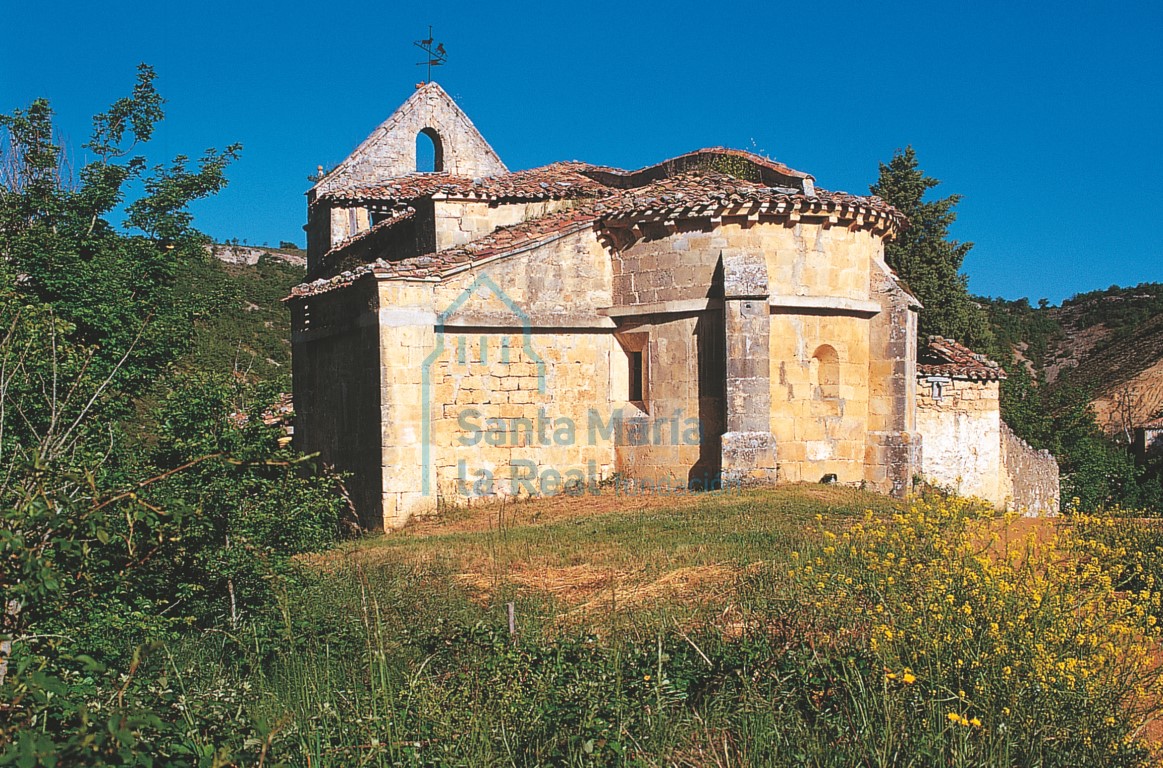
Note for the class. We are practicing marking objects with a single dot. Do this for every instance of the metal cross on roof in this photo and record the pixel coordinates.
(436, 56)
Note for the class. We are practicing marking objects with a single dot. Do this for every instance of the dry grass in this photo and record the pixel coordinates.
(492, 515)
(583, 560)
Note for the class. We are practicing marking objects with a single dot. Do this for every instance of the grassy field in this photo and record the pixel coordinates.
(805, 625)
(627, 552)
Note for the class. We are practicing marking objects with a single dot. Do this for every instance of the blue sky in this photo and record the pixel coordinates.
(1047, 119)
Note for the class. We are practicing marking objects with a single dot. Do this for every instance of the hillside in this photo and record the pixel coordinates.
(251, 334)
(1109, 343)
(247, 335)
(1125, 376)
(250, 255)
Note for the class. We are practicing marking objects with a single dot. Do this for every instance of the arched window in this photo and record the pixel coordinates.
(825, 373)
(429, 152)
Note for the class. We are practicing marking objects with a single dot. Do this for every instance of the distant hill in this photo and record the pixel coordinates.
(1108, 342)
(250, 255)
(249, 334)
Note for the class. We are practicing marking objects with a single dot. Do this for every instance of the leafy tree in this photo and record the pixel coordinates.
(109, 545)
(58, 247)
(926, 258)
(251, 507)
(1023, 408)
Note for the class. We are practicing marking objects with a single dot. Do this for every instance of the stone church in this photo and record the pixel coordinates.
(713, 320)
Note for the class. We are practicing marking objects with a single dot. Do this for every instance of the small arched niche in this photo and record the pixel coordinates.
(825, 373)
(429, 152)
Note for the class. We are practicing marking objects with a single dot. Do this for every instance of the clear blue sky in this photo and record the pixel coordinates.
(1046, 119)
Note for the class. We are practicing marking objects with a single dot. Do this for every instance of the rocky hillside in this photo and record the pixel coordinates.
(1108, 342)
(250, 255)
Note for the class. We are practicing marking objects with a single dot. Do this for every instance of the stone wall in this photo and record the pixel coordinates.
(820, 293)
(1030, 480)
(962, 438)
(519, 341)
(457, 222)
(668, 266)
(517, 414)
(334, 341)
(675, 430)
(969, 450)
(819, 404)
(390, 151)
(892, 444)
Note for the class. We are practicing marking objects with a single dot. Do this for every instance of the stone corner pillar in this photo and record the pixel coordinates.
(748, 453)
(894, 459)
(893, 445)
(408, 348)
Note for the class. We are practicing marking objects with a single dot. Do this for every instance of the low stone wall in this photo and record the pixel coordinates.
(1030, 476)
(962, 441)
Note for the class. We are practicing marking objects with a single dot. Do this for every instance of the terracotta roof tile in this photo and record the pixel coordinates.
(504, 241)
(550, 182)
(681, 188)
(945, 357)
(708, 192)
(711, 158)
(1154, 424)
(396, 216)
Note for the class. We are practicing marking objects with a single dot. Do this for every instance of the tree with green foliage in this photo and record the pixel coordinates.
(111, 541)
(58, 247)
(925, 257)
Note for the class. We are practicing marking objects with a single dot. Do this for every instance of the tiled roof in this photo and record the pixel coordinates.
(550, 182)
(504, 241)
(945, 357)
(705, 193)
(574, 179)
(692, 186)
(755, 166)
(1154, 424)
(397, 216)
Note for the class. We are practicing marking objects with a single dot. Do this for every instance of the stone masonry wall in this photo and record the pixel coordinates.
(820, 276)
(444, 387)
(458, 222)
(390, 151)
(517, 415)
(675, 439)
(962, 438)
(661, 267)
(819, 429)
(1030, 479)
(892, 444)
(336, 381)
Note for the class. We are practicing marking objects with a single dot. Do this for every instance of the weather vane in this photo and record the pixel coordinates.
(436, 56)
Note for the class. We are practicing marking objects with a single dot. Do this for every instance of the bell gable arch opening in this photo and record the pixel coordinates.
(429, 151)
